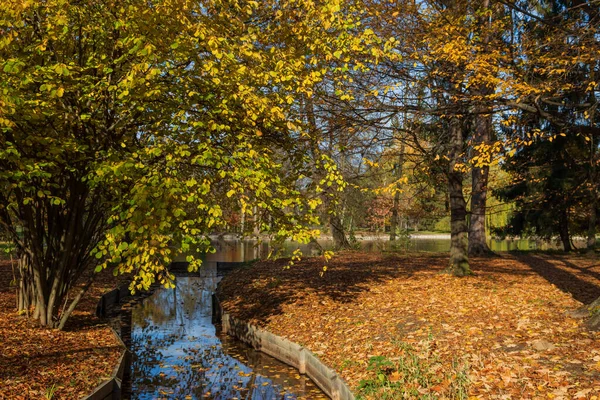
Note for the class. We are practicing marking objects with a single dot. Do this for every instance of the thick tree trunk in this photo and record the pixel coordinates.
(591, 311)
(337, 232)
(479, 184)
(563, 229)
(477, 232)
(459, 260)
(482, 136)
(594, 310)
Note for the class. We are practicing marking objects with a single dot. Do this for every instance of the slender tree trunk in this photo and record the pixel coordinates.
(591, 234)
(25, 295)
(337, 228)
(459, 260)
(242, 222)
(563, 229)
(256, 222)
(395, 219)
(64, 316)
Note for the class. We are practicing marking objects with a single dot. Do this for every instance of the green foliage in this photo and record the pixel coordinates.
(443, 225)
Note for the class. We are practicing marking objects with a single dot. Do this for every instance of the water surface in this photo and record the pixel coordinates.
(245, 250)
(178, 353)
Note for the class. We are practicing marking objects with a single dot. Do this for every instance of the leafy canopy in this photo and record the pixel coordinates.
(155, 115)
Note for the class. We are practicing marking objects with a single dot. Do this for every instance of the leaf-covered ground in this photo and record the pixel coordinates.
(43, 363)
(505, 328)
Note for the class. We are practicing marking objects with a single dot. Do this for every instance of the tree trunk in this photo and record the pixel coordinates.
(479, 184)
(337, 232)
(594, 310)
(25, 292)
(64, 316)
(591, 234)
(394, 221)
(394, 218)
(593, 176)
(337, 227)
(477, 232)
(242, 222)
(563, 229)
(459, 260)
(591, 311)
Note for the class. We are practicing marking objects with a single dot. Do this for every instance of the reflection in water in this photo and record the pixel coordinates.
(245, 250)
(179, 355)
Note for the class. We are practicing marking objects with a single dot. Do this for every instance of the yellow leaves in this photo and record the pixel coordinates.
(370, 163)
(61, 69)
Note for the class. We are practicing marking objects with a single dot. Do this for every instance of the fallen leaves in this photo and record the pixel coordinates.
(41, 363)
(507, 322)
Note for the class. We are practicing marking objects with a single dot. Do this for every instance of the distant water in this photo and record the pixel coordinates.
(244, 250)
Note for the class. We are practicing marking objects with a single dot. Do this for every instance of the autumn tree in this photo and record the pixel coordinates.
(126, 124)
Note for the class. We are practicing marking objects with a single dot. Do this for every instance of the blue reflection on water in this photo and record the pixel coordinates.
(179, 355)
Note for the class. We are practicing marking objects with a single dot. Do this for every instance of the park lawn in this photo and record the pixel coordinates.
(401, 328)
(38, 362)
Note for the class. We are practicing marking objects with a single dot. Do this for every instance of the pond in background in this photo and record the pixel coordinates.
(245, 250)
(178, 354)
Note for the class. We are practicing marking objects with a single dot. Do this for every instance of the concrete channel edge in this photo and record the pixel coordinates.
(286, 351)
(110, 389)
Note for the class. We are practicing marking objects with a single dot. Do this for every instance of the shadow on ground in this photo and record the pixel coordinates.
(261, 291)
(582, 282)
(271, 285)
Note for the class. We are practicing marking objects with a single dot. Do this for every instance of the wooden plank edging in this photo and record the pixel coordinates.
(286, 351)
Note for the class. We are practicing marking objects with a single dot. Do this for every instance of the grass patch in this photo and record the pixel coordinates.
(415, 375)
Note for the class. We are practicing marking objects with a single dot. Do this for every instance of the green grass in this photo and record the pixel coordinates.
(415, 375)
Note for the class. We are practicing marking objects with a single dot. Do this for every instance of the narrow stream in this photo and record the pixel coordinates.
(178, 353)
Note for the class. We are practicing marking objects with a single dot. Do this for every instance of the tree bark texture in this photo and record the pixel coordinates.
(395, 219)
(479, 184)
(459, 260)
(591, 234)
(337, 232)
(563, 229)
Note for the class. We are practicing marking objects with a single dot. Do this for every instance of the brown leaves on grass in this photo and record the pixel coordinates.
(507, 323)
(40, 363)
